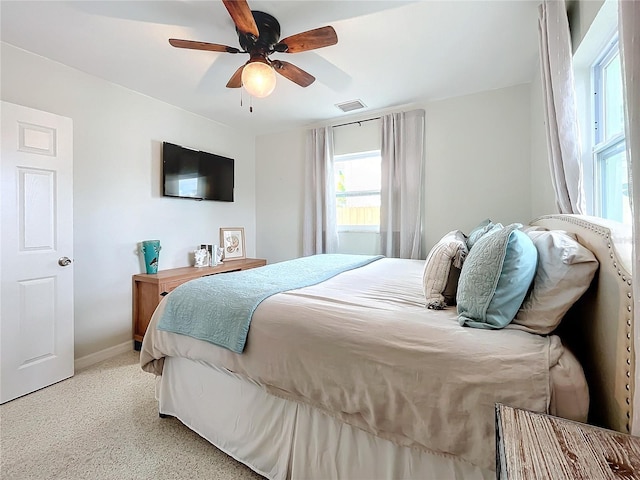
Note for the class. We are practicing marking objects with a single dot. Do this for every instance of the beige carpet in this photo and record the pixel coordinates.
(103, 424)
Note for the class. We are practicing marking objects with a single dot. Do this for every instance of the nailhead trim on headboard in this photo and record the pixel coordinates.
(626, 280)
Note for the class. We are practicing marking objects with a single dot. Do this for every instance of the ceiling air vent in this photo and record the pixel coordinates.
(351, 105)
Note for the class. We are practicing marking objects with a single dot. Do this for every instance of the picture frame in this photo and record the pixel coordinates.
(232, 243)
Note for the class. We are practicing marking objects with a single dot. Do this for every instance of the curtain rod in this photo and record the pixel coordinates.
(359, 122)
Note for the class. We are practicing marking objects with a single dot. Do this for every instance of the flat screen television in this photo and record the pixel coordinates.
(198, 175)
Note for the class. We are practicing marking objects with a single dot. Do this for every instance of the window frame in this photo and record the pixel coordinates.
(602, 148)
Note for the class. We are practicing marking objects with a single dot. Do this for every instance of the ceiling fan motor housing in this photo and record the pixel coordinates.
(269, 34)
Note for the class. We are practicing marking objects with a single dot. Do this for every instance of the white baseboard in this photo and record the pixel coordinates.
(93, 358)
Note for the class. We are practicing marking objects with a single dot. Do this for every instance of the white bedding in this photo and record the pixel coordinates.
(282, 439)
(362, 348)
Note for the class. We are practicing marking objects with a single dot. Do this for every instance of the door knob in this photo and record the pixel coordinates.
(64, 261)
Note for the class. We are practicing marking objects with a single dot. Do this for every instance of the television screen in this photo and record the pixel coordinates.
(189, 173)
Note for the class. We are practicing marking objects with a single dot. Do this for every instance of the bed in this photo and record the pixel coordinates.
(354, 377)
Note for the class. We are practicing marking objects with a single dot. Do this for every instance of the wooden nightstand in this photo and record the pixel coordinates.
(536, 446)
(148, 289)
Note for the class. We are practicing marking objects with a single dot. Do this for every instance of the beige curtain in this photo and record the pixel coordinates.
(402, 180)
(558, 89)
(629, 40)
(320, 233)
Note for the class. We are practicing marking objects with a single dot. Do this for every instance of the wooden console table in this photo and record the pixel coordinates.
(148, 289)
(536, 446)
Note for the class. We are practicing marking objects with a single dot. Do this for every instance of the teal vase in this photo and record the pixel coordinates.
(151, 251)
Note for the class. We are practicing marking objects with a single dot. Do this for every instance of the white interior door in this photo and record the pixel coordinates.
(36, 236)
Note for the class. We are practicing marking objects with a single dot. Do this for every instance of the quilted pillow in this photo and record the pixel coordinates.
(482, 229)
(565, 271)
(446, 255)
(495, 278)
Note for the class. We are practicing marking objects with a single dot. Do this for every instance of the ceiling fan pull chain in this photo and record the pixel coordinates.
(250, 104)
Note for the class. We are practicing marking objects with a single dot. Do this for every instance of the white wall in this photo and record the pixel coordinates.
(117, 186)
(357, 137)
(280, 195)
(477, 166)
(477, 161)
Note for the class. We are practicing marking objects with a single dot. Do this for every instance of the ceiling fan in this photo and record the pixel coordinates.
(259, 36)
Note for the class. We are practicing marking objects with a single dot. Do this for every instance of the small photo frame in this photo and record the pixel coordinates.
(232, 243)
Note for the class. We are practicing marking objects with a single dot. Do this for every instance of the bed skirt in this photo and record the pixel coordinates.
(281, 439)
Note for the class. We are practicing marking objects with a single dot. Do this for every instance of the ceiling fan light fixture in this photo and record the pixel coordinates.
(258, 79)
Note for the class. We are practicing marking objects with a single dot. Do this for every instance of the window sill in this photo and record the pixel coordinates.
(360, 229)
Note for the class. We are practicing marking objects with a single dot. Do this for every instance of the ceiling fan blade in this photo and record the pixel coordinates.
(212, 47)
(293, 73)
(236, 79)
(242, 16)
(309, 40)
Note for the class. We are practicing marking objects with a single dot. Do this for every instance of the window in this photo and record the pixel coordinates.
(188, 185)
(358, 180)
(611, 183)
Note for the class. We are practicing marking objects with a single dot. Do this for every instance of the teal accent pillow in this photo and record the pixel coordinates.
(496, 277)
(481, 230)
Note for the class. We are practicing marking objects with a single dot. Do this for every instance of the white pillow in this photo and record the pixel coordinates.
(450, 250)
(565, 271)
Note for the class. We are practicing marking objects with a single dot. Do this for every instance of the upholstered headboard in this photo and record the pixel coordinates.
(599, 327)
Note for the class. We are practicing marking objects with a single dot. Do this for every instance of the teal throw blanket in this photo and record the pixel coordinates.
(218, 308)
